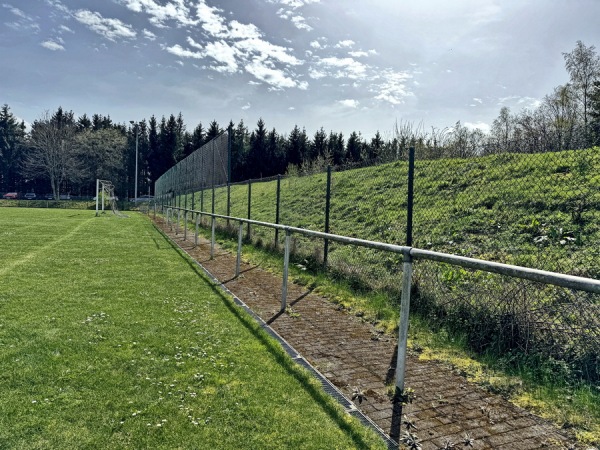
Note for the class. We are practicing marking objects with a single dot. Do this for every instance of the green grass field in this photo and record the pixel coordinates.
(111, 338)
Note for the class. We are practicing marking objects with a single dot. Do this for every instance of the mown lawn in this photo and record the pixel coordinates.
(111, 338)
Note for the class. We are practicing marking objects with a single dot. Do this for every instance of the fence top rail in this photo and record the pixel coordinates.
(541, 276)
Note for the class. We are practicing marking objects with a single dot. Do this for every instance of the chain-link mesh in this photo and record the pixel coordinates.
(558, 329)
(534, 210)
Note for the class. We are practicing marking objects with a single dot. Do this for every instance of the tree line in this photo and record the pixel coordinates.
(64, 154)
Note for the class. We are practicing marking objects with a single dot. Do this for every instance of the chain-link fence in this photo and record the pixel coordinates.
(534, 210)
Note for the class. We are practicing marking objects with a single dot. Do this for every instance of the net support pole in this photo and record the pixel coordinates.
(286, 266)
(197, 226)
(239, 249)
(212, 238)
(185, 221)
(403, 326)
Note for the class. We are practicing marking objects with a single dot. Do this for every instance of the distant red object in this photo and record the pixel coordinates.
(10, 196)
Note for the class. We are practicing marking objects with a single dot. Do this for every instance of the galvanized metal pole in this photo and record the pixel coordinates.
(197, 225)
(403, 327)
(228, 203)
(286, 265)
(239, 249)
(185, 221)
(249, 204)
(202, 199)
(212, 238)
(178, 221)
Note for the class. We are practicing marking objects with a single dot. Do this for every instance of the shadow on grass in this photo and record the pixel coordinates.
(306, 380)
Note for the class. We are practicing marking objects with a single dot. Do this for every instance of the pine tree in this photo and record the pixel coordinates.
(258, 166)
(12, 139)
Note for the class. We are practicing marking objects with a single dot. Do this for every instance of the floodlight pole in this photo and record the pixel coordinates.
(135, 125)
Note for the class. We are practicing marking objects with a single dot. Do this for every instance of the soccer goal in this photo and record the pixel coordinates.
(105, 195)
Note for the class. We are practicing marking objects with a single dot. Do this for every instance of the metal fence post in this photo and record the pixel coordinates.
(228, 203)
(212, 238)
(202, 201)
(178, 221)
(198, 215)
(403, 326)
(327, 210)
(212, 209)
(185, 221)
(410, 200)
(277, 200)
(249, 205)
(239, 249)
(286, 265)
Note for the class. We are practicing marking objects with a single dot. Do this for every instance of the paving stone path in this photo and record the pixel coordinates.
(354, 356)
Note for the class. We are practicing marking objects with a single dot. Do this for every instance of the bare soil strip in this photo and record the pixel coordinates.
(446, 408)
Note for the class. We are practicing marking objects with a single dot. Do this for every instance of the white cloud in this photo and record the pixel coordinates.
(246, 106)
(239, 30)
(16, 11)
(349, 103)
(111, 29)
(300, 23)
(344, 67)
(194, 44)
(294, 4)
(178, 50)
(232, 45)
(211, 21)
(393, 88)
(289, 12)
(316, 45)
(345, 44)
(23, 21)
(273, 77)
(477, 100)
(51, 45)
(159, 14)
(316, 73)
(64, 28)
(224, 54)
(148, 34)
(362, 53)
(276, 78)
(520, 102)
(266, 50)
(478, 126)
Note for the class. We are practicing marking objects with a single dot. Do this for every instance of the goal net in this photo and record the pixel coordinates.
(105, 196)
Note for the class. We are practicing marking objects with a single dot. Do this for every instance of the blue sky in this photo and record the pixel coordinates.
(345, 65)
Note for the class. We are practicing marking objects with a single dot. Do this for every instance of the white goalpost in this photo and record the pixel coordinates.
(105, 191)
